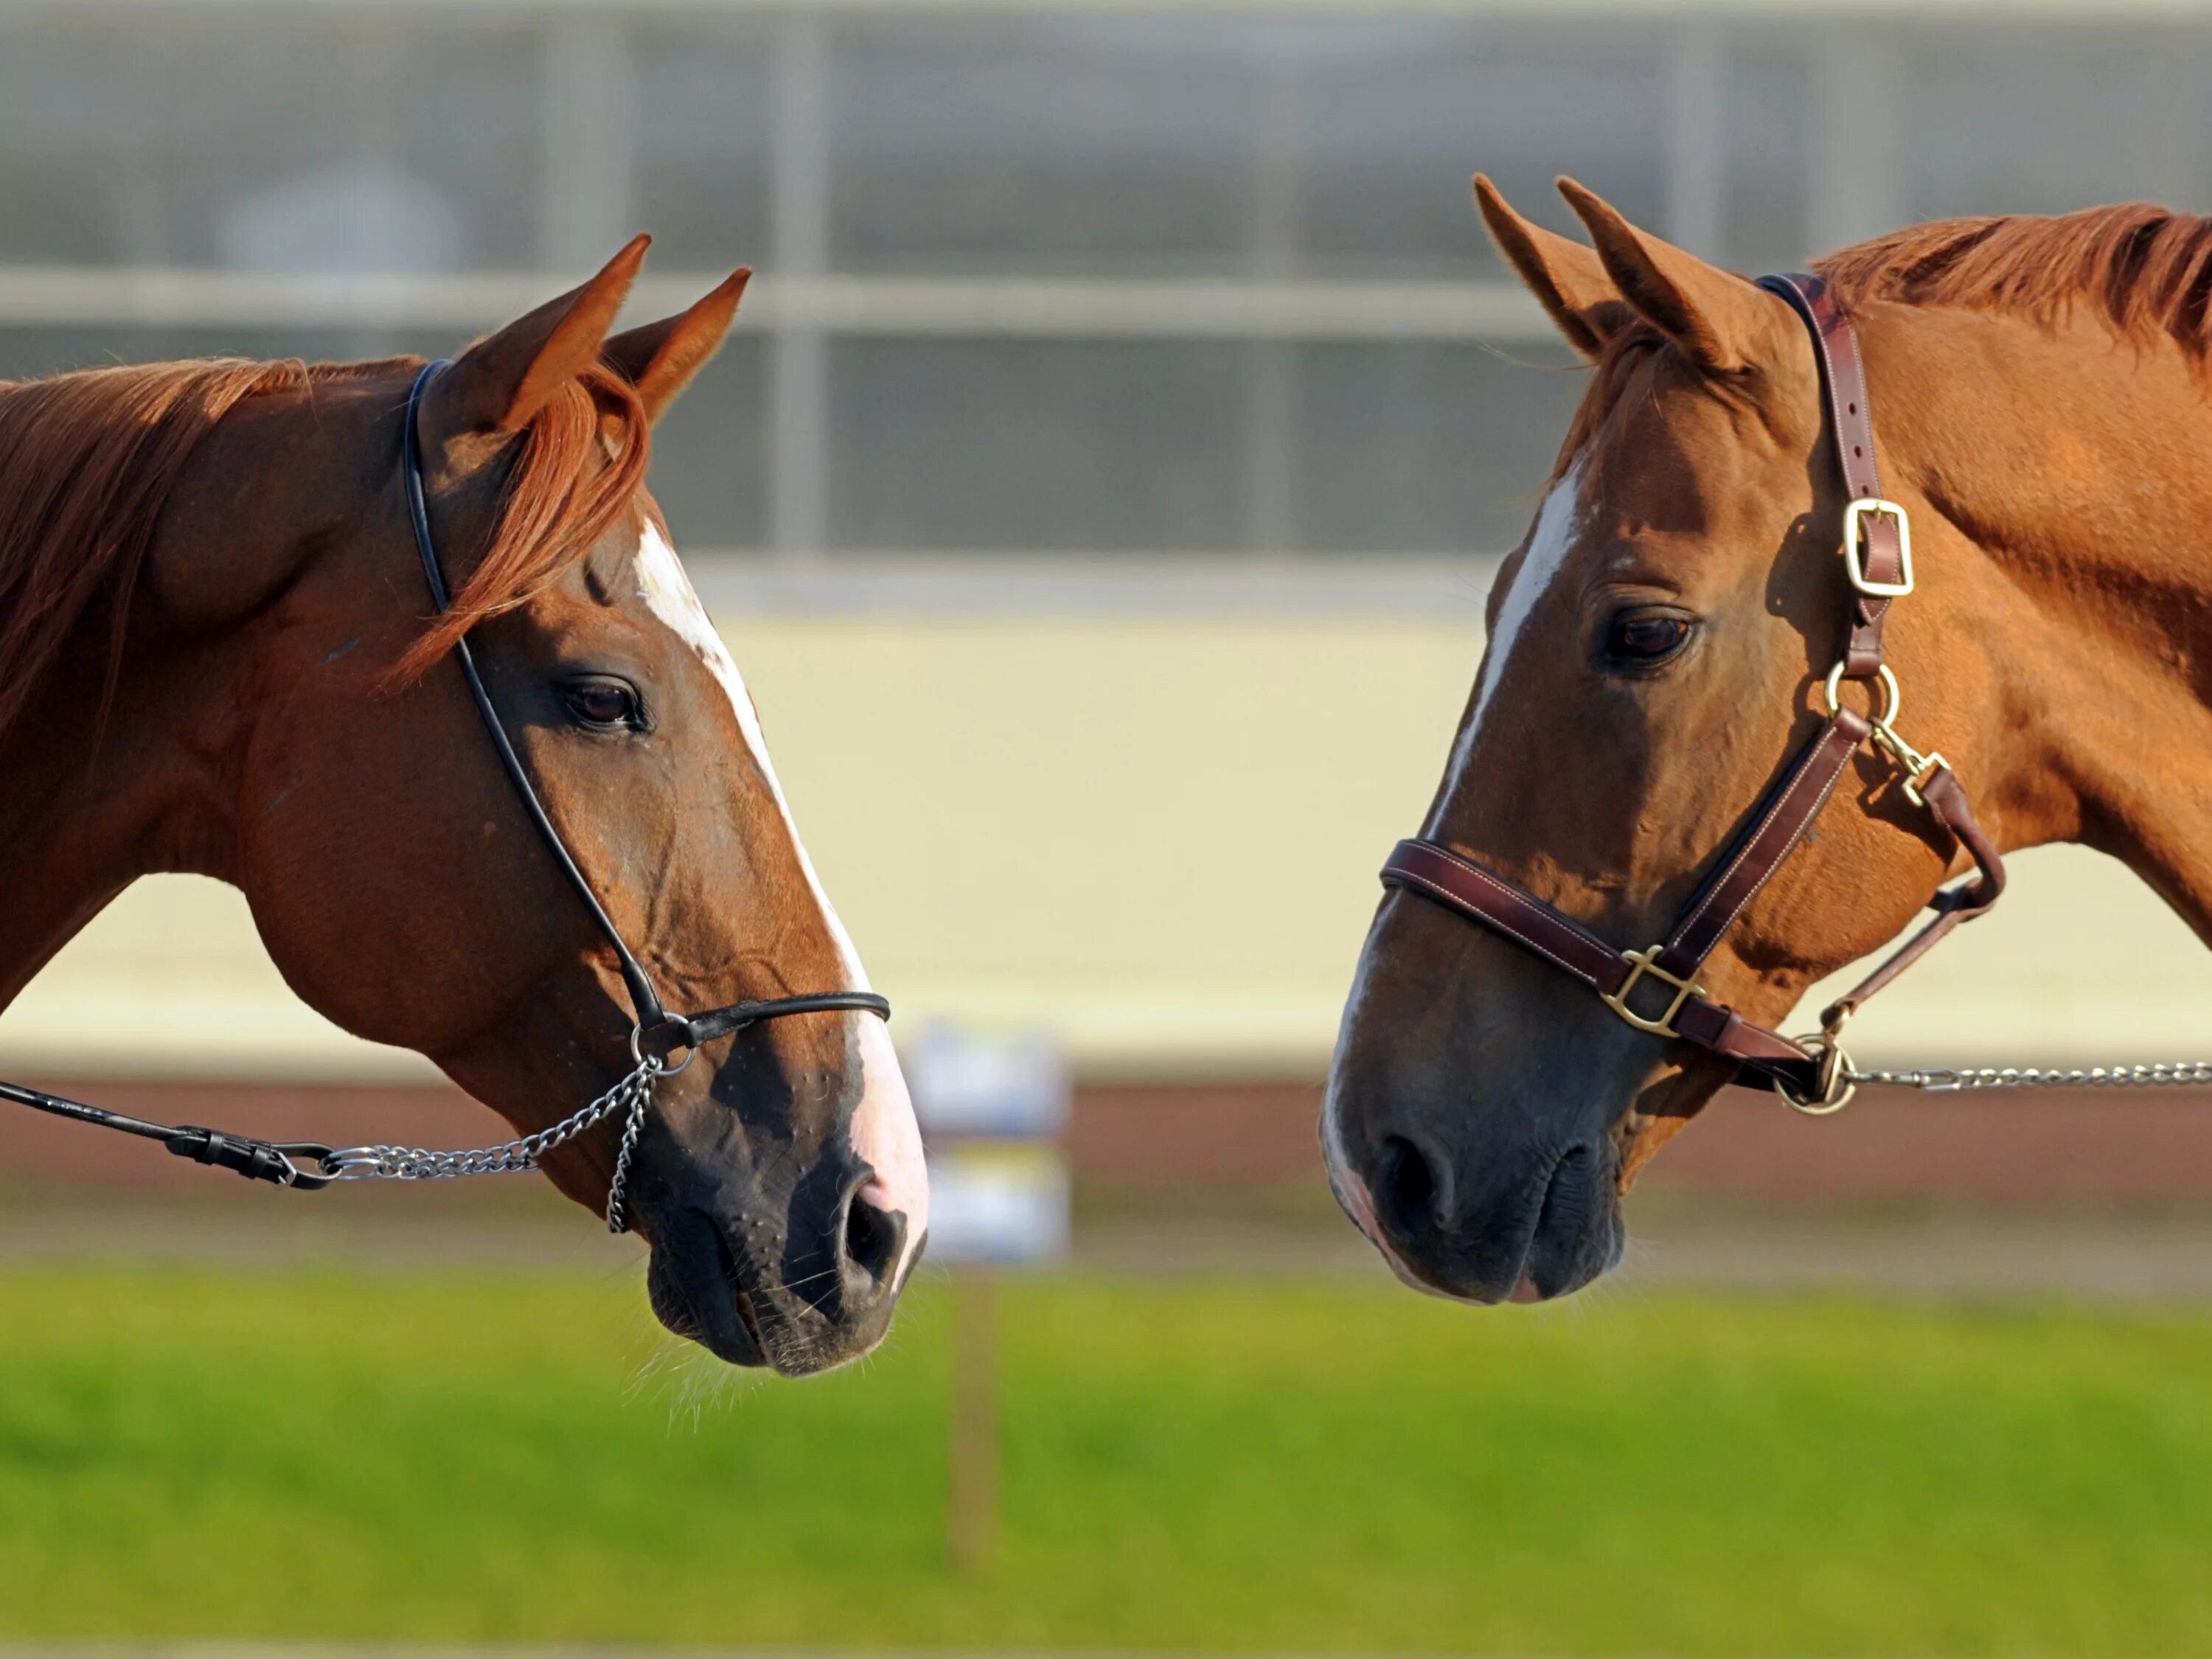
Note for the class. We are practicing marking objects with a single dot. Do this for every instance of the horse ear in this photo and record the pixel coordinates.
(1711, 313)
(661, 358)
(502, 380)
(1567, 279)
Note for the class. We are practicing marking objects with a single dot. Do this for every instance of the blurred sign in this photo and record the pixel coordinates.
(992, 1108)
(998, 1204)
(967, 1086)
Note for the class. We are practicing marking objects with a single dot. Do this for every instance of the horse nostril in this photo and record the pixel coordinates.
(1405, 1196)
(873, 1238)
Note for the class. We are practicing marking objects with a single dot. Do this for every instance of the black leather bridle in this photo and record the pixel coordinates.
(656, 1034)
(657, 1031)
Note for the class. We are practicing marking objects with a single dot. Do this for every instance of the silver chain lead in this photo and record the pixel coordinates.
(633, 1095)
(1945, 1079)
(650, 1069)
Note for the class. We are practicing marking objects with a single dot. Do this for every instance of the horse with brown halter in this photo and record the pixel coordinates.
(212, 663)
(1678, 633)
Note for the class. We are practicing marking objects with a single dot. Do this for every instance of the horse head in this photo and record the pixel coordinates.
(396, 878)
(1659, 645)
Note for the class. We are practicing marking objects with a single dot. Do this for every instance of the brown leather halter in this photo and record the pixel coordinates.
(1813, 1075)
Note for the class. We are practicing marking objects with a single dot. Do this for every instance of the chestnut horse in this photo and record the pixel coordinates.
(1658, 645)
(219, 656)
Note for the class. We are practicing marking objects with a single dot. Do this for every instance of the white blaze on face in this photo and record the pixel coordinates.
(1556, 521)
(885, 1134)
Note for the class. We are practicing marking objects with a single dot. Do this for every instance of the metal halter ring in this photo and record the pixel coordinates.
(637, 1053)
(1916, 767)
(1839, 1079)
(1891, 696)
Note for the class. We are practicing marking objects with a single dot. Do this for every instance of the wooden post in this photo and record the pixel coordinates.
(974, 1494)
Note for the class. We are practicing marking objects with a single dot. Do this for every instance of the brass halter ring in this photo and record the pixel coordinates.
(1838, 1078)
(1891, 696)
(1916, 767)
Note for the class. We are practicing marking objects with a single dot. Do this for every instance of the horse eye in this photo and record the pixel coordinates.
(1646, 636)
(604, 704)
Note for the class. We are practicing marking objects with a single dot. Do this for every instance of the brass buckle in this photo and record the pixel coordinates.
(1647, 962)
(1855, 515)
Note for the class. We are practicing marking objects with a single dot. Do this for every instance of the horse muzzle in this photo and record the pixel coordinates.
(1521, 1224)
(800, 1287)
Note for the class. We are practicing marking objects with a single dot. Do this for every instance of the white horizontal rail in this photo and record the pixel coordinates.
(1765, 13)
(1020, 307)
(918, 584)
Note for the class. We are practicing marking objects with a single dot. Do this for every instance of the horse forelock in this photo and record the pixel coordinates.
(555, 506)
(1621, 376)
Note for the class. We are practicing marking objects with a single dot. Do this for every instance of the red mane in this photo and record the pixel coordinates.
(88, 460)
(2145, 270)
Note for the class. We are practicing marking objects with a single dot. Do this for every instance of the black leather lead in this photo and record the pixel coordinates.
(272, 1161)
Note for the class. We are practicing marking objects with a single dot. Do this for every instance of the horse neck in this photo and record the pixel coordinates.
(2075, 464)
(102, 790)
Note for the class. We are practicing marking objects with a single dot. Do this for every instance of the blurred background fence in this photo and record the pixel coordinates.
(1110, 464)
(1118, 443)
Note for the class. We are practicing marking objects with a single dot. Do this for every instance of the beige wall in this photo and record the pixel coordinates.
(1156, 834)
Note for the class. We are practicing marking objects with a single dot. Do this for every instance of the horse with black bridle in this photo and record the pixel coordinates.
(404, 651)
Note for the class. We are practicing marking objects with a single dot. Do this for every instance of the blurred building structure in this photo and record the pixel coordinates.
(1119, 438)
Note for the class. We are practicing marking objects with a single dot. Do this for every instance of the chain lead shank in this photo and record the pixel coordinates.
(632, 1095)
(1948, 1080)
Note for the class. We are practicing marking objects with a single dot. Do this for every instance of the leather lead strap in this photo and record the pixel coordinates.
(294, 1164)
(1771, 837)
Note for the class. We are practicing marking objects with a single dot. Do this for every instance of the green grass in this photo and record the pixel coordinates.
(1188, 1464)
